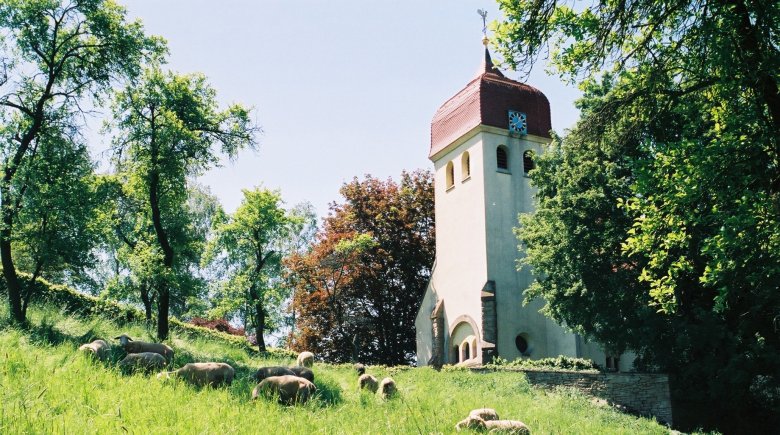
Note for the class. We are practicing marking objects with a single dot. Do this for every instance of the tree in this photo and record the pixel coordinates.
(55, 57)
(359, 287)
(250, 245)
(681, 118)
(58, 222)
(130, 252)
(169, 127)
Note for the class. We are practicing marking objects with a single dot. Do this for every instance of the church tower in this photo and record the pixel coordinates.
(483, 143)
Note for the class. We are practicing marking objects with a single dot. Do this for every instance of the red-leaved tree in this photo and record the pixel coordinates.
(357, 291)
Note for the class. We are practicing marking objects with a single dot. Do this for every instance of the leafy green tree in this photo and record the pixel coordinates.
(58, 222)
(169, 127)
(55, 57)
(128, 269)
(675, 165)
(249, 246)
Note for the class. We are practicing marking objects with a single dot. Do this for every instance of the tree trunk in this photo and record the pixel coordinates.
(259, 326)
(7, 206)
(163, 309)
(30, 288)
(163, 293)
(147, 300)
(355, 347)
(9, 271)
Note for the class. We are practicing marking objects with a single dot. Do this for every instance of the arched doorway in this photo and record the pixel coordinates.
(464, 344)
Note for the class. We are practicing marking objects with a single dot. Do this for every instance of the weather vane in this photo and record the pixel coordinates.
(483, 13)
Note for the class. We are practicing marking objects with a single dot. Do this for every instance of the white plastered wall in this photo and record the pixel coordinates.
(508, 193)
(461, 268)
(475, 243)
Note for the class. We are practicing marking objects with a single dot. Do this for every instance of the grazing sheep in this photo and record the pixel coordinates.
(360, 369)
(305, 359)
(368, 382)
(494, 426)
(387, 388)
(484, 413)
(97, 348)
(289, 389)
(303, 372)
(131, 346)
(145, 361)
(202, 374)
(267, 372)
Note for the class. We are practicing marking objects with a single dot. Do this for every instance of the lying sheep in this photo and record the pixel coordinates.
(267, 372)
(494, 426)
(98, 348)
(360, 369)
(131, 346)
(289, 389)
(387, 388)
(368, 382)
(144, 361)
(202, 374)
(484, 413)
(305, 359)
(303, 372)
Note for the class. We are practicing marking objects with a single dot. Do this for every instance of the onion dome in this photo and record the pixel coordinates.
(488, 100)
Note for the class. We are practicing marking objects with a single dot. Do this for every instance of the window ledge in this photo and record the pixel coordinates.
(466, 179)
(450, 188)
(503, 171)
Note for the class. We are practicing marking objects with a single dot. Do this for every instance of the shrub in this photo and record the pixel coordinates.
(220, 325)
(558, 363)
(75, 303)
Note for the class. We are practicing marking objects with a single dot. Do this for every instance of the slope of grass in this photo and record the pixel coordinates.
(46, 386)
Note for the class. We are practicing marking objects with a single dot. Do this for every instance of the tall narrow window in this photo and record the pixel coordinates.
(465, 162)
(464, 353)
(528, 161)
(450, 175)
(502, 158)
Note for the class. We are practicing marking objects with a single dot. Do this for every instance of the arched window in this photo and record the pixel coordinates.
(464, 353)
(502, 157)
(465, 163)
(522, 343)
(528, 161)
(450, 175)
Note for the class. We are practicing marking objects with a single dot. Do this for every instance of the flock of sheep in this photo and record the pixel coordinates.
(289, 385)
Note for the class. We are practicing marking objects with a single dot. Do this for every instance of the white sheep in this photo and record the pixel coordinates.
(305, 359)
(131, 346)
(494, 426)
(387, 388)
(202, 374)
(146, 361)
(484, 413)
(368, 382)
(98, 348)
(289, 389)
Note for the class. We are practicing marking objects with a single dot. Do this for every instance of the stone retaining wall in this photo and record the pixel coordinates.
(644, 393)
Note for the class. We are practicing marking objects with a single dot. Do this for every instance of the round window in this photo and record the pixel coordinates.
(521, 343)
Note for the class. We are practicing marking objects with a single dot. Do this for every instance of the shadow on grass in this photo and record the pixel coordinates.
(328, 392)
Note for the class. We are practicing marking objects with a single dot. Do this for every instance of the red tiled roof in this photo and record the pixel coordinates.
(487, 100)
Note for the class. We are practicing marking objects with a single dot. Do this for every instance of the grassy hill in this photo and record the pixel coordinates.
(46, 386)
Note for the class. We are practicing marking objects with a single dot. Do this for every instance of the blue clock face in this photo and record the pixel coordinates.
(517, 122)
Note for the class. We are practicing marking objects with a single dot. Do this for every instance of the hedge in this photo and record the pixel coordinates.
(74, 302)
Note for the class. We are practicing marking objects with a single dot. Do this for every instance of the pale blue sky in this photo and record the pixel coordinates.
(340, 88)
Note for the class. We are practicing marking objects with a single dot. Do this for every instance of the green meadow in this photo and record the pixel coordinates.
(47, 386)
